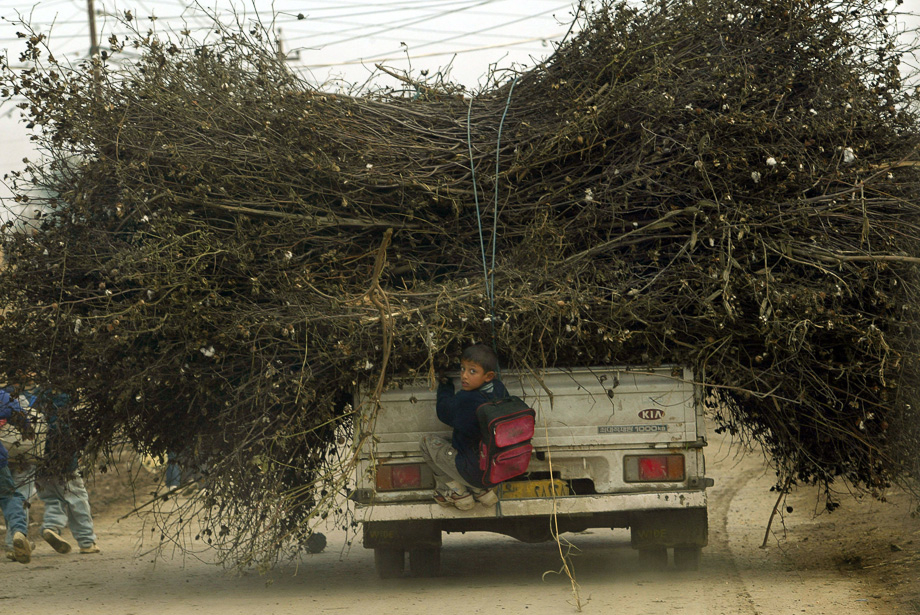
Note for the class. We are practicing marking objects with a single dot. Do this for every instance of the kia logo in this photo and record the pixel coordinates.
(651, 414)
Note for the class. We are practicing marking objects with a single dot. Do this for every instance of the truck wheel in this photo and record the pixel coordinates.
(653, 558)
(425, 562)
(687, 558)
(389, 562)
(316, 543)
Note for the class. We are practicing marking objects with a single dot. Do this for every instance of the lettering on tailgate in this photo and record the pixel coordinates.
(631, 428)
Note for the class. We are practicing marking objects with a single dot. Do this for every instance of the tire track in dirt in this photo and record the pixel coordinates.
(728, 483)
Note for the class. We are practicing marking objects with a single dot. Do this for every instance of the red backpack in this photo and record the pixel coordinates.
(507, 426)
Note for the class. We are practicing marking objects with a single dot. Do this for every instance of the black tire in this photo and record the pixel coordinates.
(389, 563)
(687, 558)
(316, 543)
(425, 562)
(653, 558)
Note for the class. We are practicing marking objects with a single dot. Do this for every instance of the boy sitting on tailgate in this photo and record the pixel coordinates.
(455, 464)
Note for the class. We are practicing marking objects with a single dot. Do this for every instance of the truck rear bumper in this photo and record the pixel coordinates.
(531, 507)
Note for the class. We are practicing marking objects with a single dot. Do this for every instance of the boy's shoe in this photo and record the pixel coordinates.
(488, 498)
(91, 548)
(462, 501)
(22, 548)
(56, 541)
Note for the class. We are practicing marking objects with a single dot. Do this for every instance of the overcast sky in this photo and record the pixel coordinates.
(325, 39)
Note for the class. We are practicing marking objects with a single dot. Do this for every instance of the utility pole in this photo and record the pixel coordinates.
(93, 43)
(281, 53)
(94, 47)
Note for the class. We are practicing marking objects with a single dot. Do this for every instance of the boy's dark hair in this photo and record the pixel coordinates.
(481, 355)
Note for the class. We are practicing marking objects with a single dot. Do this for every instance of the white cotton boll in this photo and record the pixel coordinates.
(368, 365)
(755, 176)
(370, 166)
(208, 352)
(813, 112)
(76, 325)
(145, 219)
(589, 195)
(288, 255)
(848, 155)
(771, 161)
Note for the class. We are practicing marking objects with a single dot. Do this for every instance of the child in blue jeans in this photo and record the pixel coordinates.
(12, 501)
(66, 499)
(455, 464)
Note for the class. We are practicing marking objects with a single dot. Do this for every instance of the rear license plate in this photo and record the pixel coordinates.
(519, 489)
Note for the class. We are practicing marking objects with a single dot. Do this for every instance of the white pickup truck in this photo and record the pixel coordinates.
(614, 447)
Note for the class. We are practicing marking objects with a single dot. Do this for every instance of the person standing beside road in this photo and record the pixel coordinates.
(22, 455)
(455, 464)
(12, 501)
(66, 499)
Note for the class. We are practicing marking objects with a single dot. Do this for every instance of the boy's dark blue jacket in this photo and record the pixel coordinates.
(459, 411)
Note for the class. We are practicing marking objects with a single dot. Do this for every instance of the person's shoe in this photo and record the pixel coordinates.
(11, 556)
(487, 498)
(91, 548)
(56, 541)
(22, 548)
(462, 501)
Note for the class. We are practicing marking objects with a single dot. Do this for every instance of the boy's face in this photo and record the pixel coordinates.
(473, 376)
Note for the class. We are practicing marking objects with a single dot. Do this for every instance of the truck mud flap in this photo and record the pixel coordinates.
(402, 535)
(669, 528)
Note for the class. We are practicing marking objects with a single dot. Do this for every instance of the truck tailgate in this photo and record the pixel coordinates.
(584, 407)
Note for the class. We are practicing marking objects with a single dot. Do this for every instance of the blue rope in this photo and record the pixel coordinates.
(482, 245)
(495, 212)
(489, 280)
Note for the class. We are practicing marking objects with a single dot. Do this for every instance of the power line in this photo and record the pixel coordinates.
(451, 38)
(485, 32)
(429, 55)
(406, 24)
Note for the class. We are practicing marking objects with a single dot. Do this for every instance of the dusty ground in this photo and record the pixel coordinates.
(863, 558)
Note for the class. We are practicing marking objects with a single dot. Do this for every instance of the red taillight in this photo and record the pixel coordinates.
(653, 468)
(392, 477)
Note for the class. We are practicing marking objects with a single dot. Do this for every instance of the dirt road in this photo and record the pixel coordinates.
(861, 559)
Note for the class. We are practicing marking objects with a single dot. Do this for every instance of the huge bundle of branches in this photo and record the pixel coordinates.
(725, 184)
